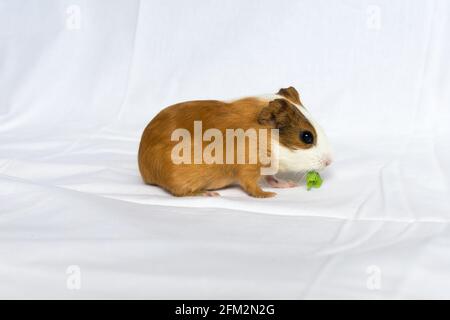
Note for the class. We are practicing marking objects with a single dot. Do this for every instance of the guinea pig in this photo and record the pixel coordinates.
(186, 149)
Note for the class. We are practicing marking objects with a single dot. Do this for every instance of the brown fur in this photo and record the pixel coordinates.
(290, 94)
(157, 168)
(288, 119)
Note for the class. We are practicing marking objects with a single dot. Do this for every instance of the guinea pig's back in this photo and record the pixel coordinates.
(155, 147)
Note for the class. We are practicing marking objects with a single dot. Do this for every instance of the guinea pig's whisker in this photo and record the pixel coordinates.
(303, 175)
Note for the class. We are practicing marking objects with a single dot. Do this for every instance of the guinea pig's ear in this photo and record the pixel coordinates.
(291, 94)
(279, 113)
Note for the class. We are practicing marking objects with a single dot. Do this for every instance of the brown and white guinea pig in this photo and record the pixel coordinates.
(301, 144)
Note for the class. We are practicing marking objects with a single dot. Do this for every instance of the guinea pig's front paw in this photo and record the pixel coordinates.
(278, 183)
(260, 193)
(264, 194)
(253, 189)
(210, 194)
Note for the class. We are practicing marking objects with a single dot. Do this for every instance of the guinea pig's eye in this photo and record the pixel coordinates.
(307, 137)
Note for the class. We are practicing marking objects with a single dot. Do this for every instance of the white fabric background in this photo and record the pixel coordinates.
(80, 79)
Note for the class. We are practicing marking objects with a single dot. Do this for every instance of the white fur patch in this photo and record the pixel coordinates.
(314, 158)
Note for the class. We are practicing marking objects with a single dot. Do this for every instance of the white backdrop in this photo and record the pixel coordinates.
(80, 79)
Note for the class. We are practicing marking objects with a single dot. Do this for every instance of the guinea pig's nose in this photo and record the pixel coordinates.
(327, 160)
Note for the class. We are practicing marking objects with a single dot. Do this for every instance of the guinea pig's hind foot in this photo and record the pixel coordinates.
(278, 183)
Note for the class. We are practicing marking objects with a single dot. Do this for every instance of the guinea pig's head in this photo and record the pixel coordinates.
(303, 146)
